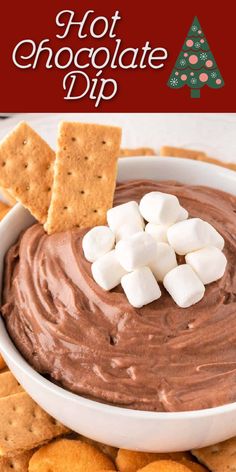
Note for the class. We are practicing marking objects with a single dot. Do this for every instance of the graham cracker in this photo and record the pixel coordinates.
(142, 151)
(26, 169)
(84, 176)
(69, 455)
(211, 160)
(181, 152)
(17, 463)
(2, 363)
(7, 197)
(4, 209)
(8, 384)
(195, 155)
(219, 457)
(24, 425)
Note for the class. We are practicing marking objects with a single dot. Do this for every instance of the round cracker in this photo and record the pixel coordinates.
(107, 450)
(194, 466)
(131, 461)
(67, 455)
(165, 466)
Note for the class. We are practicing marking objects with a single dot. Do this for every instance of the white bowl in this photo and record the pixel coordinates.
(131, 429)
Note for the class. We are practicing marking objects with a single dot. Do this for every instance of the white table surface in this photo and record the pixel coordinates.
(214, 133)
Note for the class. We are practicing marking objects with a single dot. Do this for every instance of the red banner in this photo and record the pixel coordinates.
(118, 56)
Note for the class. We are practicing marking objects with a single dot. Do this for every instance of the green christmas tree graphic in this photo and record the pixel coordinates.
(195, 65)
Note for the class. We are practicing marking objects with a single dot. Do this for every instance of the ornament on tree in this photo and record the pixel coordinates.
(195, 65)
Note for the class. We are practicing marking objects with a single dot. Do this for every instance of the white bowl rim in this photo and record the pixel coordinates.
(182, 160)
(16, 358)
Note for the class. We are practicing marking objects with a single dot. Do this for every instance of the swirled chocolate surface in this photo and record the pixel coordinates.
(92, 342)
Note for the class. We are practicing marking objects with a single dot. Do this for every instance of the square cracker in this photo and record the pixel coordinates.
(84, 176)
(181, 152)
(142, 151)
(26, 169)
(24, 425)
(17, 463)
(195, 155)
(219, 457)
(212, 160)
(8, 384)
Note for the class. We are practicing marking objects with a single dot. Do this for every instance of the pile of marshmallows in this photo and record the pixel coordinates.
(140, 255)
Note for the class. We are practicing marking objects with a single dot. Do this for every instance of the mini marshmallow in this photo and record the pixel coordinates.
(126, 230)
(97, 242)
(215, 238)
(107, 272)
(184, 286)
(158, 232)
(164, 261)
(125, 213)
(187, 236)
(183, 214)
(208, 263)
(136, 251)
(160, 208)
(191, 235)
(140, 287)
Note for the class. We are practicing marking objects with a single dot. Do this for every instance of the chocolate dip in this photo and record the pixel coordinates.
(160, 357)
